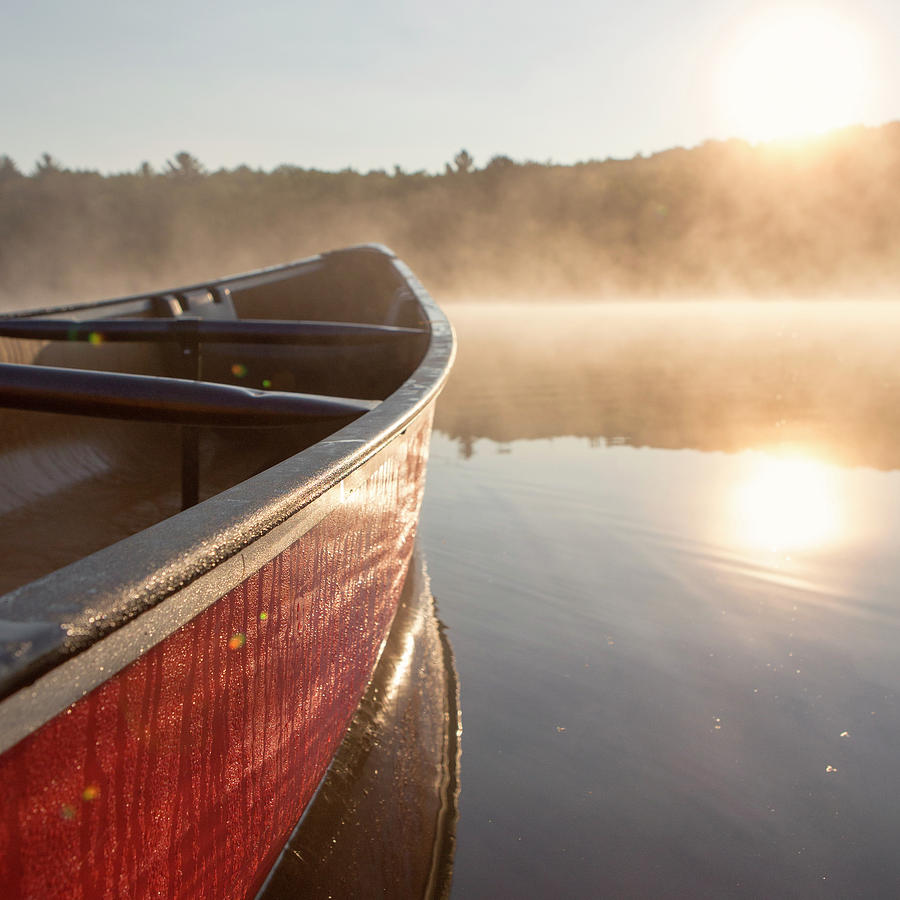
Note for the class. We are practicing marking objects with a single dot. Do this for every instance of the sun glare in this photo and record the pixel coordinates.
(795, 73)
(787, 504)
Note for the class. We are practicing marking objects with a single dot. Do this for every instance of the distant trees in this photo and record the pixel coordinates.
(722, 217)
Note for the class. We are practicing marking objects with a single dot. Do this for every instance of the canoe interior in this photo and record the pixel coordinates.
(71, 485)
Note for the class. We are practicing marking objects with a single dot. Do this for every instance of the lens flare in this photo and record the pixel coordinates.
(236, 641)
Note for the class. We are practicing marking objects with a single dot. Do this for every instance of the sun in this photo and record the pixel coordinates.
(793, 73)
(787, 504)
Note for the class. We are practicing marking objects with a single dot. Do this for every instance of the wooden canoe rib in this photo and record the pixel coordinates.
(170, 702)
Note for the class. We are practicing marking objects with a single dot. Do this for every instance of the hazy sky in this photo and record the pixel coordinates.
(106, 85)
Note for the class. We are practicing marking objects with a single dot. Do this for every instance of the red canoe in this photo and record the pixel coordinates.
(202, 563)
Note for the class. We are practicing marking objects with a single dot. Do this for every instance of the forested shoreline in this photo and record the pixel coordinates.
(813, 218)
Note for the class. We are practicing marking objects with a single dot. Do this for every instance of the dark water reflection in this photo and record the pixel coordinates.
(678, 665)
(705, 376)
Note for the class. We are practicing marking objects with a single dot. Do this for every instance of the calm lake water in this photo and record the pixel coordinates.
(663, 539)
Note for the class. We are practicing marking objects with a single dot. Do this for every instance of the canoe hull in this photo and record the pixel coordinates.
(398, 766)
(184, 773)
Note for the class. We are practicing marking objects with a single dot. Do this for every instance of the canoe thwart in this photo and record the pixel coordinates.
(194, 329)
(113, 395)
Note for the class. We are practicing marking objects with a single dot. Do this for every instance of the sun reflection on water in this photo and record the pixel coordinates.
(788, 503)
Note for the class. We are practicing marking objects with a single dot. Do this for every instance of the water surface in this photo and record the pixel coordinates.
(663, 539)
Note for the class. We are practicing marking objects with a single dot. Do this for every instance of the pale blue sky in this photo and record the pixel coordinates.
(107, 85)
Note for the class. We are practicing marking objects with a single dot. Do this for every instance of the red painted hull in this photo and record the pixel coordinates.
(184, 773)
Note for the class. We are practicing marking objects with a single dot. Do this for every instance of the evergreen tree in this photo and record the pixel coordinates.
(184, 166)
(9, 171)
(463, 161)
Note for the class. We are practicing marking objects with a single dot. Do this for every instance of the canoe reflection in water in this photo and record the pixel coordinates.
(384, 820)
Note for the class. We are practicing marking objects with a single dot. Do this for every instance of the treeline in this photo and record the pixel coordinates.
(813, 218)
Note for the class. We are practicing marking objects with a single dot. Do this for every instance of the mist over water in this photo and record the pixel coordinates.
(663, 539)
(810, 218)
